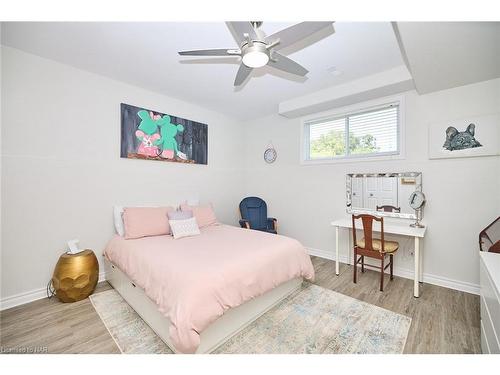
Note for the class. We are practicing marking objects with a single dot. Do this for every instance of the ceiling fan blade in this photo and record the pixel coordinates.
(239, 29)
(243, 72)
(287, 65)
(295, 33)
(211, 52)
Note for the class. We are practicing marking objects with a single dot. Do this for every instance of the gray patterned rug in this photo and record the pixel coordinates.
(311, 320)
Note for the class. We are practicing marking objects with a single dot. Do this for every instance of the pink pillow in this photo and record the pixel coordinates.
(204, 215)
(146, 221)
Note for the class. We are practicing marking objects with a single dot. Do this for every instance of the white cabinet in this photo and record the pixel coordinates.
(490, 302)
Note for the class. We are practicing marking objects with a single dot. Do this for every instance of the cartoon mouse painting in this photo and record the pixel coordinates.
(147, 133)
(168, 143)
(153, 135)
(155, 144)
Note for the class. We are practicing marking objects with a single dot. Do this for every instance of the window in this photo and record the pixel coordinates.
(373, 132)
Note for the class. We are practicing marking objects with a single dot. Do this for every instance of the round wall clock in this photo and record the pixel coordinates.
(270, 155)
(416, 200)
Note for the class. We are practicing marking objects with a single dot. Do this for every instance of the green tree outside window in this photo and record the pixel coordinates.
(333, 144)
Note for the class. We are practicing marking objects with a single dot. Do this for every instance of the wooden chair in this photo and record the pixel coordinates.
(388, 208)
(372, 247)
(489, 238)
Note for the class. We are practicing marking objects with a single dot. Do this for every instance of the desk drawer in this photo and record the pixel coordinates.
(485, 348)
(491, 299)
(487, 331)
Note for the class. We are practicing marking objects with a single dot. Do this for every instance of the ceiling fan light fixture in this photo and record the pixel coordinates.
(255, 59)
(256, 55)
(258, 49)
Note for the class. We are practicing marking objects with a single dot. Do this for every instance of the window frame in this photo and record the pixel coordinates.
(344, 112)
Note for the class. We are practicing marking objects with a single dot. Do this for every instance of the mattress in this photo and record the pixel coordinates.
(193, 280)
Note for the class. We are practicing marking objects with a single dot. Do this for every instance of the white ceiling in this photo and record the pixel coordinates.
(145, 54)
(442, 55)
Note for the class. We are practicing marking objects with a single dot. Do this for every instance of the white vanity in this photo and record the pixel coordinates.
(490, 302)
(394, 195)
(398, 228)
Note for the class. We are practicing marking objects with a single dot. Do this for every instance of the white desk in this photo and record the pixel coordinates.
(391, 227)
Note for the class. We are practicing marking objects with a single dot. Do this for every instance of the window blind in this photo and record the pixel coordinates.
(382, 125)
(371, 132)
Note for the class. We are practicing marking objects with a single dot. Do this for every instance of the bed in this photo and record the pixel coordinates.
(197, 292)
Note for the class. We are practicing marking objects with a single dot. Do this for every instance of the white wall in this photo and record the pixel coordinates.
(463, 194)
(61, 170)
(1, 131)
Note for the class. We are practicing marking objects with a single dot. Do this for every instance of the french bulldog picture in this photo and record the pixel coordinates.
(456, 140)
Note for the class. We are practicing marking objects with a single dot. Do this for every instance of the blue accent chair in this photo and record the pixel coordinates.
(253, 212)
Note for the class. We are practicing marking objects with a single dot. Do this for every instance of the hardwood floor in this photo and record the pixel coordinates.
(49, 326)
(443, 320)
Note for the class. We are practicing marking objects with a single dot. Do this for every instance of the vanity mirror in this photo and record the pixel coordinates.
(387, 194)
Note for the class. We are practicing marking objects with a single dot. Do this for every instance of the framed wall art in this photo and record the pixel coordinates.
(468, 137)
(152, 135)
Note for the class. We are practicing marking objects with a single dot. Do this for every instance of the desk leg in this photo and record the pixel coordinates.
(416, 275)
(421, 259)
(349, 247)
(337, 266)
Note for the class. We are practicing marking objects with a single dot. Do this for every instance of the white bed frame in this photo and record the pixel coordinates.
(229, 324)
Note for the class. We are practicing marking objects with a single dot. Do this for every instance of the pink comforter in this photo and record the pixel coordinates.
(193, 280)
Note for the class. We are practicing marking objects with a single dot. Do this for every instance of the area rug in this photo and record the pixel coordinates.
(311, 320)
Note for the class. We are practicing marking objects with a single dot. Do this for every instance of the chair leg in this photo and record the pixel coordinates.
(392, 266)
(355, 267)
(363, 263)
(382, 274)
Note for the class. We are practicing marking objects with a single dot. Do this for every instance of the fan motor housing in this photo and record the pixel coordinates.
(255, 55)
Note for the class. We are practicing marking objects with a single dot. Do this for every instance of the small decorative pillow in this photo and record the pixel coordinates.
(179, 215)
(146, 221)
(204, 215)
(184, 228)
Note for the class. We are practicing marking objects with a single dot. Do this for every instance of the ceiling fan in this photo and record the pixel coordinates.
(257, 50)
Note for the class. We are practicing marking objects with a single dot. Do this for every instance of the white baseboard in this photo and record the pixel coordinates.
(36, 294)
(408, 274)
(22, 298)
(325, 254)
(33, 295)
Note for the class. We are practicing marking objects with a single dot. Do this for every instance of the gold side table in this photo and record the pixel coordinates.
(75, 276)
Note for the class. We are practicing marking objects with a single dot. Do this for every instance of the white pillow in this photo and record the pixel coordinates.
(118, 219)
(184, 228)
